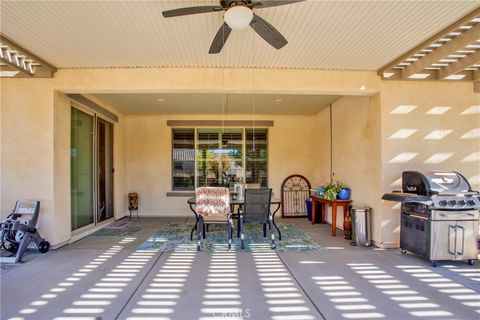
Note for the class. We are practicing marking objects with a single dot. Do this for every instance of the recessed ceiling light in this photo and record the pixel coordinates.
(388, 74)
(278, 101)
(161, 100)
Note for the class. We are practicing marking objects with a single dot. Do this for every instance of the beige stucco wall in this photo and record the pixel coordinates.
(27, 147)
(410, 149)
(149, 156)
(355, 152)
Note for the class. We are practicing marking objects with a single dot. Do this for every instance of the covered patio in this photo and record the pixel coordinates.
(101, 100)
(108, 277)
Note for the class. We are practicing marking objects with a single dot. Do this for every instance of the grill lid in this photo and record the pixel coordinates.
(435, 183)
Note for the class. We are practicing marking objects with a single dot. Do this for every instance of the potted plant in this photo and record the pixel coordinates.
(330, 191)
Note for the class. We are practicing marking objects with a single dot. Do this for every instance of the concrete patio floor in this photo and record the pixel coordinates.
(104, 277)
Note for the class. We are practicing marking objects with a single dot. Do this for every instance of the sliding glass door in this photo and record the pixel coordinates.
(91, 160)
(81, 166)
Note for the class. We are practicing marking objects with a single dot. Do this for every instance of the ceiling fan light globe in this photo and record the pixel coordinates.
(238, 17)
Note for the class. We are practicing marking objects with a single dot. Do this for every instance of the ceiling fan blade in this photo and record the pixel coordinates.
(191, 10)
(273, 3)
(220, 39)
(268, 32)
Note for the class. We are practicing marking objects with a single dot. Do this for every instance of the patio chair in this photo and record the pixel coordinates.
(256, 209)
(213, 207)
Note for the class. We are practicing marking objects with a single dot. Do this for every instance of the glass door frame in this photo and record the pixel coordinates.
(96, 171)
(95, 184)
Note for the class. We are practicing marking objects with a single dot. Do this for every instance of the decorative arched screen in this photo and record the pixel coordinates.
(295, 190)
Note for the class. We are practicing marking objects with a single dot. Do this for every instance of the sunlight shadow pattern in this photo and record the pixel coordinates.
(402, 134)
(284, 300)
(397, 291)
(159, 300)
(222, 299)
(456, 291)
(403, 109)
(471, 110)
(438, 110)
(71, 280)
(346, 298)
(438, 158)
(471, 273)
(103, 293)
(472, 157)
(472, 134)
(438, 134)
(403, 157)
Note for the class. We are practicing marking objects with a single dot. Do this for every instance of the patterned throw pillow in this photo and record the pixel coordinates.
(212, 201)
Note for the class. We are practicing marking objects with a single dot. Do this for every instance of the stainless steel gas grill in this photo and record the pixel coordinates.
(439, 216)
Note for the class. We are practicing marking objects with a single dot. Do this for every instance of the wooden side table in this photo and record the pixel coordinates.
(334, 203)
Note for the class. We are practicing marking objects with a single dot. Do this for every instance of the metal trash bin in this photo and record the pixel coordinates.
(361, 222)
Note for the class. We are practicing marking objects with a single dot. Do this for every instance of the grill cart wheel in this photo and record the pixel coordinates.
(403, 251)
(44, 246)
(471, 262)
(434, 263)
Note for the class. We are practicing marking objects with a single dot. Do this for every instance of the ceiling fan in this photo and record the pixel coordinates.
(239, 14)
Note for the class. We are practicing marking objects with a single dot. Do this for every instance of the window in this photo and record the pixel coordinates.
(219, 157)
(256, 156)
(183, 159)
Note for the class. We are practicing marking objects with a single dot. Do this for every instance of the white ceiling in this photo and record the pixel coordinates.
(348, 35)
(217, 103)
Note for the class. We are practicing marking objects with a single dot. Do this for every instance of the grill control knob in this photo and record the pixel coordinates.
(461, 202)
(471, 202)
(452, 202)
(443, 203)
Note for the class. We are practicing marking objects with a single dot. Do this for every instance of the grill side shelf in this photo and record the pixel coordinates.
(406, 197)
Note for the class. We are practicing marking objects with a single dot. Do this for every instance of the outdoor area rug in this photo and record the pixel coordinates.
(176, 237)
(118, 229)
(120, 224)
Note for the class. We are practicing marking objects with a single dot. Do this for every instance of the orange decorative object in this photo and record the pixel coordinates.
(347, 226)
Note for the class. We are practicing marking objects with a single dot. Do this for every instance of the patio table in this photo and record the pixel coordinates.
(191, 202)
(334, 203)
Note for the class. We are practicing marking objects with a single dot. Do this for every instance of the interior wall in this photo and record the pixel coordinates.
(321, 147)
(426, 126)
(149, 157)
(356, 152)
